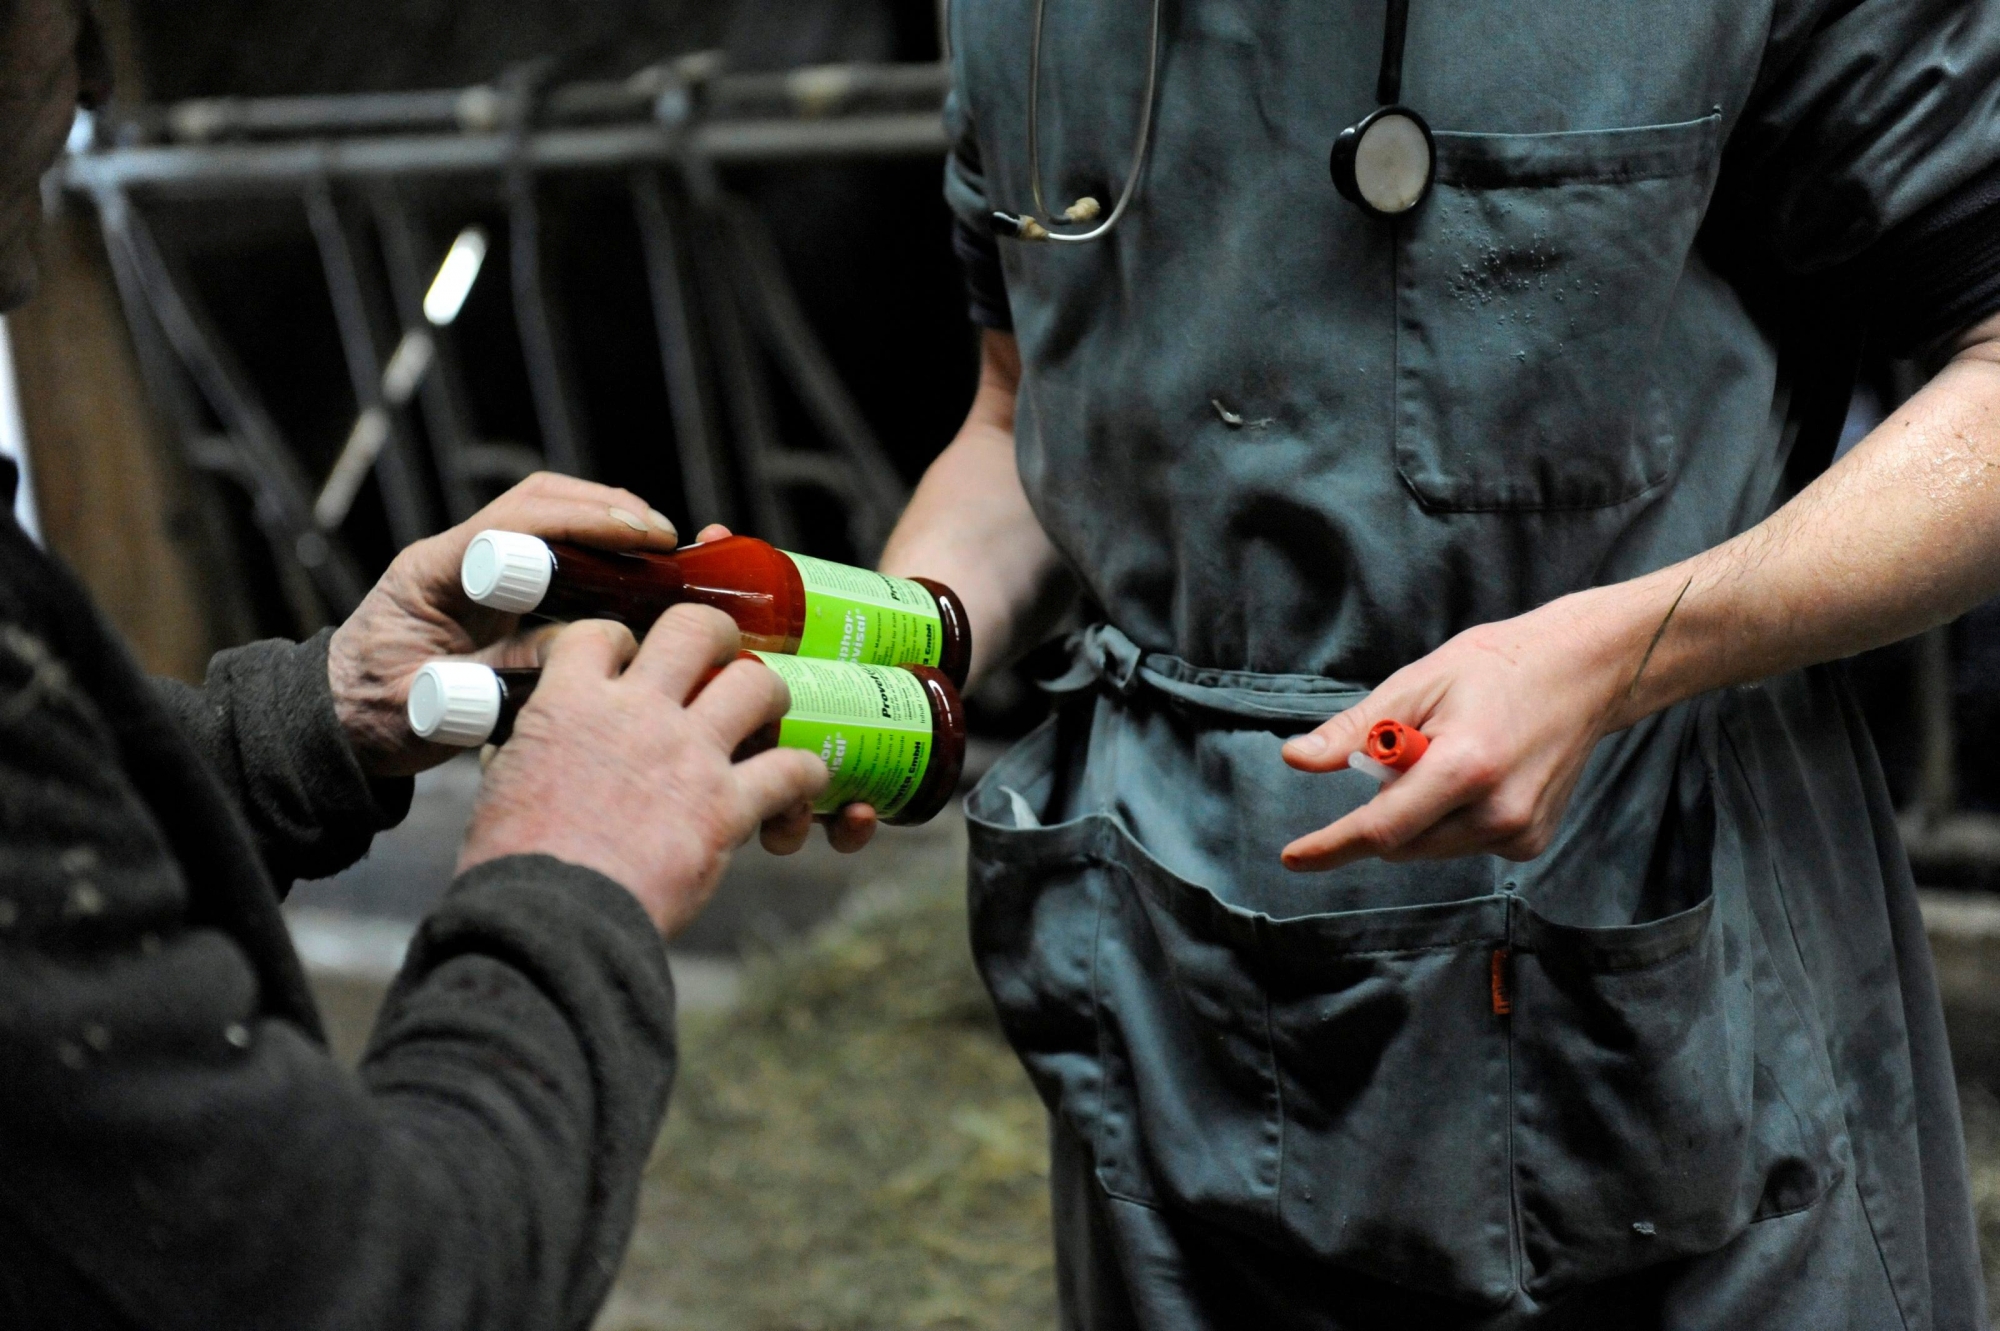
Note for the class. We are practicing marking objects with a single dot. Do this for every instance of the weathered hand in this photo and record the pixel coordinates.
(419, 612)
(848, 829)
(1512, 710)
(609, 768)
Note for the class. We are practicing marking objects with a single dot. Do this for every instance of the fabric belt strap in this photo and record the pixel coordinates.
(1102, 657)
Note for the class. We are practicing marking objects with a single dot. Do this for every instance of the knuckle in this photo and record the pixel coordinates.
(1477, 765)
(1512, 816)
(1343, 734)
(718, 623)
(413, 553)
(707, 857)
(1527, 843)
(1377, 837)
(700, 727)
(778, 693)
(703, 618)
(1481, 636)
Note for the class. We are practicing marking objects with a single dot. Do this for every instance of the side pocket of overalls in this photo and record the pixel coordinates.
(1035, 892)
(1190, 1113)
(1532, 292)
(1143, 1031)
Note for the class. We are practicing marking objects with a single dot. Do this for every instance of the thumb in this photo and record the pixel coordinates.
(1325, 749)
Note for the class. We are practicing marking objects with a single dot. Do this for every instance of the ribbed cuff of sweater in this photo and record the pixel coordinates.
(266, 720)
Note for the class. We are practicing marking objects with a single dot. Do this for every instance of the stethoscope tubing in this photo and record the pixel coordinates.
(1388, 91)
(1131, 187)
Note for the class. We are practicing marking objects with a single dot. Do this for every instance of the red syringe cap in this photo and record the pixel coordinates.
(1395, 745)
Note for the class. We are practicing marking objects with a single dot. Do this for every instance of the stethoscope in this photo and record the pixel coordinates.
(1384, 162)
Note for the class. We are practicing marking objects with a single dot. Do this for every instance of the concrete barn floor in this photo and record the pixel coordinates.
(351, 929)
(851, 1144)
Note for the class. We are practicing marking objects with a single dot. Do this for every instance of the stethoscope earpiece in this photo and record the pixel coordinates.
(1385, 162)
(1034, 226)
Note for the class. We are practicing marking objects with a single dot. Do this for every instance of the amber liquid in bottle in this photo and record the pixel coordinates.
(751, 581)
(933, 792)
(517, 685)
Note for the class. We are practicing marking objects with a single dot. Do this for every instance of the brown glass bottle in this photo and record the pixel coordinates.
(491, 721)
(780, 602)
(517, 685)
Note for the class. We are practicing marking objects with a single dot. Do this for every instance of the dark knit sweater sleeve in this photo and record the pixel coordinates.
(264, 719)
(174, 1155)
(551, 980)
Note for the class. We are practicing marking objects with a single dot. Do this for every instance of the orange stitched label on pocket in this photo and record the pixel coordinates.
(1503, 1002)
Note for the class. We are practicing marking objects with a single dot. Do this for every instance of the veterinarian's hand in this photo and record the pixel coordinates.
(1512, 711)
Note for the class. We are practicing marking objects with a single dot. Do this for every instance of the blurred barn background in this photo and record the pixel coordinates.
(326, 277)
(715, 269)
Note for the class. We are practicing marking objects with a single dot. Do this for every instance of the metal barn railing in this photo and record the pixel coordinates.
(723, 307)
(1947, 843)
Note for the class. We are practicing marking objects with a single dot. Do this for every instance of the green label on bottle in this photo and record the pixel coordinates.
(870, 724)
(867, 618)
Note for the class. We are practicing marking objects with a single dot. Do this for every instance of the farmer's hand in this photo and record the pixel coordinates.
(419, 612)
(1512, 711)
(610, 768)
(848, 829)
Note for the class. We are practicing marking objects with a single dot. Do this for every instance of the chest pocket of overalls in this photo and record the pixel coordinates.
(1533, 290)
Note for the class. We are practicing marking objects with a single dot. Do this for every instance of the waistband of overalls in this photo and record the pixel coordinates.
(1103, 658)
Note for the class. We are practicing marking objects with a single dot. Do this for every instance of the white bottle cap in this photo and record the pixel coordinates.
(507, 570)
(455, 703)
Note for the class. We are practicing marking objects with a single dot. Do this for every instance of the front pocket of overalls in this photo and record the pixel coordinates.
(1652, 1118)
(1532, 289)
(1392, 1066)
(1034, 894)
(1266, 1077)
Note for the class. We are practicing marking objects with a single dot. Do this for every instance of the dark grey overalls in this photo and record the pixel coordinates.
(1686, 1069)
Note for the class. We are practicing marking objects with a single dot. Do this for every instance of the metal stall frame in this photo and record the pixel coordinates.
(720, 296)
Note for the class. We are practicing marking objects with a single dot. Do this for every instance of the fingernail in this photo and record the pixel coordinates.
(1308, 746)
(663, 522)
(631, 520)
